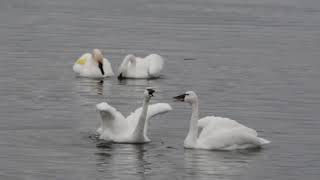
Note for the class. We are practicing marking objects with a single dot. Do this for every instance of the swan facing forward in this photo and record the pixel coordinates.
(133, 129)
(93, 66)
(217, 133)
(136, 67)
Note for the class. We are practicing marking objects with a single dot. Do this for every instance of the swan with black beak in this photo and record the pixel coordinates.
(217, 133)
(133, 129)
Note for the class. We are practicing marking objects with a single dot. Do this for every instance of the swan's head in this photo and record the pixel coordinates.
(123, 67)
(98, 57)
(188, 96)
(148, 93)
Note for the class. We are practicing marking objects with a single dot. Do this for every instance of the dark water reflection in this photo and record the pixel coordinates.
(255, 61)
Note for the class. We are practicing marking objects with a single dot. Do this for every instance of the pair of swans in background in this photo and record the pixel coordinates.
(211, 133)
(96, 66)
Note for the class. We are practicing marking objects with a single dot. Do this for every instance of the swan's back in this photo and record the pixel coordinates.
(137, 69)
(219, 122)
(228, 139)
(226, 134)
(79, 64)
(155, 64)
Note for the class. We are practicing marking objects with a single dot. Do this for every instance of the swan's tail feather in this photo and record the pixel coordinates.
(263, 141)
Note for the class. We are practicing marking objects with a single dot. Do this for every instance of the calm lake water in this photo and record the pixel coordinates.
(255, 61)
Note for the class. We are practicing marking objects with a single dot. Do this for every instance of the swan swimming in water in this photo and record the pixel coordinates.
(137, 67)
(217, 133)
(133, 129)
(93, 66)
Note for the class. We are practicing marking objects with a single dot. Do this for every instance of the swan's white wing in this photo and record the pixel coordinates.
(230, 139)
(107, 67)
(226, 134)
(153, 110)
(112, 121)
(155, 64)
(211, 123)
(156, 109)
(139, 69)
(78, 65)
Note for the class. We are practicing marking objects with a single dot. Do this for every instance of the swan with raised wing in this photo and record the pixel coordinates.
(133, 129)
(141, 68)
(93, 65)
(217, 133)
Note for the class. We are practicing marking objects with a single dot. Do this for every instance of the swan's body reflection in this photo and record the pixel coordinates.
(134, 82)
(92, 86)
(200, 164)
(122, 160)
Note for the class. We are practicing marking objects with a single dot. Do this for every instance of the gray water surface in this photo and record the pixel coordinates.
(255, 61)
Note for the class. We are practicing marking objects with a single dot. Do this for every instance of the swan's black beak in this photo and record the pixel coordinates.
(120, 77)
(180, 97)
(101, 67)
(150, 91)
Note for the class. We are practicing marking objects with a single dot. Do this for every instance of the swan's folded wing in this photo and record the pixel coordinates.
(112, 116)
(218, 122)
(155, 64)
(78, 65)
(231, 139)
(214, 123)
(83, 59)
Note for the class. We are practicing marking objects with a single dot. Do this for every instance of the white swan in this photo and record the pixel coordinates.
(136, 67)
(133, 129)
(217, 133)
(93, 66)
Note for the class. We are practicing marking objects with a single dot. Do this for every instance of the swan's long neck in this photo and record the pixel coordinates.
(140, 128)
(123, 68)
(191, 138)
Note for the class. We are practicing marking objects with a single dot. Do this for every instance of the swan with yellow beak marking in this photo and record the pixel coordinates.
(93, 65)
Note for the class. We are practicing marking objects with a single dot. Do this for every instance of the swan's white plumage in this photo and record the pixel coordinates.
(226, 134)
(85, 66)
(137, 67)
(119, 128)
(217, 133)
(155, 65)
(116, 121)
(153, 110)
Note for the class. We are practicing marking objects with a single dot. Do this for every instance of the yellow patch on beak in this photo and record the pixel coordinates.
(81, 61)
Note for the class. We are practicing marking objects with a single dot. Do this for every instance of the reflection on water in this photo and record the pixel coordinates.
(134, 82)
(91, 86)
(120, 160)
(221, 164)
